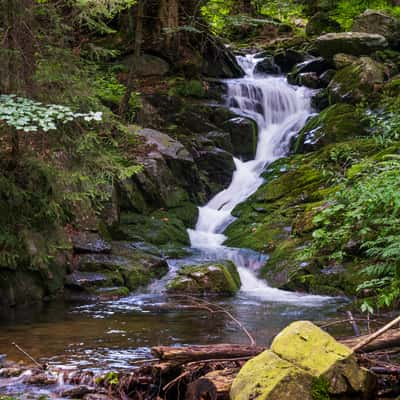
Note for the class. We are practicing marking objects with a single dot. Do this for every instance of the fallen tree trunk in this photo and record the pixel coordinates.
(390, 338)
(214, 386)
(183, 355)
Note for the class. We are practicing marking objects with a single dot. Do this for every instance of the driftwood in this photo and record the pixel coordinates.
(386, 340)
(214, 386)
(183, 355)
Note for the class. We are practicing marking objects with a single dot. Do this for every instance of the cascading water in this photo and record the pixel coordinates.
(280, 110)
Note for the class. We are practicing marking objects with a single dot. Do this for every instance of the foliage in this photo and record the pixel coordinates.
(320, 389)
(366, 213)
(28, 115)
(191, 88)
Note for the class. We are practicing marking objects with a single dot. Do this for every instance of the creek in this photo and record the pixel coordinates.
(109, 335)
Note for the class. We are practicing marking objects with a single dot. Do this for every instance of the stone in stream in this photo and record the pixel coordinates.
(304, 362)
(219, 277)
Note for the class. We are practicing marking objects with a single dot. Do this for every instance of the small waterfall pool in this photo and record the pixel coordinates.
(113, 334)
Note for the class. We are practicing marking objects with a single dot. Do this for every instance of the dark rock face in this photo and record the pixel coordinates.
(219, 62)
(243, 133)
(90, 242)
(354, 43)
(308, 73)
(286, 59)
(267, 66)
(147, 65)
(380, 23)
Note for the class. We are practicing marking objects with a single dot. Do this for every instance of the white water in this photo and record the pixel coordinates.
(280, 111)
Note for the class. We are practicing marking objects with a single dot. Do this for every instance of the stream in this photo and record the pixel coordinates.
(109, 335)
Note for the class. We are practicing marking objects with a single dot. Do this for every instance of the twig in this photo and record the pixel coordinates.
(29, 356)
(378, 333)
(208, 306)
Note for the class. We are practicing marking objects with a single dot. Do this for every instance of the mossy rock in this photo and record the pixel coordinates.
(158, 228)
(337, 123)
(357, 81)
(304, 361)
(207, 279)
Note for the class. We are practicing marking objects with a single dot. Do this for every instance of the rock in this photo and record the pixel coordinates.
(90, 242)
(381, 23)
(219, 62)
(147, 65)
(97, 396)
(342, 60)
(357, 81)
(89, 280)
(354, 43)
(310, 348)
(286, 59)
(243, 133)
(267, 66)
(212, 278)
(77, 392)
(218, 164)
(317, 65)
(221, 139)
(321, 23)
(336, 123)
(303, 360)
(327, 76)
(310, 80)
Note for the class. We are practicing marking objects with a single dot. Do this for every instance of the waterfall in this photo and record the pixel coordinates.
(280, 111)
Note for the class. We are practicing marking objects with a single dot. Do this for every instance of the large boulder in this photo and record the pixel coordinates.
(336, 123)
(147, 65)
(372, 21)
(354, 43)
(267, 66)
(304, 360)
(212, 278)
(357, 81)
(243, 133)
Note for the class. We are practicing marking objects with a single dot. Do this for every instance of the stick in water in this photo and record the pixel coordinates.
(28, 355)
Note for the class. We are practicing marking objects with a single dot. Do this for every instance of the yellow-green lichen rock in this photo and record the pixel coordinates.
(269, 377)
(308, 347)
(302, 360)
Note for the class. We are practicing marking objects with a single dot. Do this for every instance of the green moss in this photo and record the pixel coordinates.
(192, 88)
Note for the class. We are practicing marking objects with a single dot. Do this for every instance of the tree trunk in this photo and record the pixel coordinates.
(124, 106)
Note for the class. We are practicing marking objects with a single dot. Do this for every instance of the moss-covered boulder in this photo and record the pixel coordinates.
(336, 123)
(379, 22)
(304, 362)
(207, 279)
(269, 377)
(355, 43)
(357, 81)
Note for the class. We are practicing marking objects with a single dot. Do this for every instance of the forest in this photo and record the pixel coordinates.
(199, 199)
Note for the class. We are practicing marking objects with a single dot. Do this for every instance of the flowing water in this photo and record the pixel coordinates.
(113, 334)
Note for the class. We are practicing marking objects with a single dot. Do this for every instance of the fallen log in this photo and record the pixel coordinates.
(388, 339)
(183, 355)
(214, 386)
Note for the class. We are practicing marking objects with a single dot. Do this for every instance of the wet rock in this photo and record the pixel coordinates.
(302, 359)
(336, 123)
(87, 280)
(221, 139)
(90, 242)
(381, 23)
(354, 43)
(308, 79)
(212, 278)
(218, 165)
(42, 379)
(286, 59)
(267, 66)
(11, 372)
(77, 392)
(243, 133)
(97, 396)
(317, 65)
(326, 77)
(357, 81)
